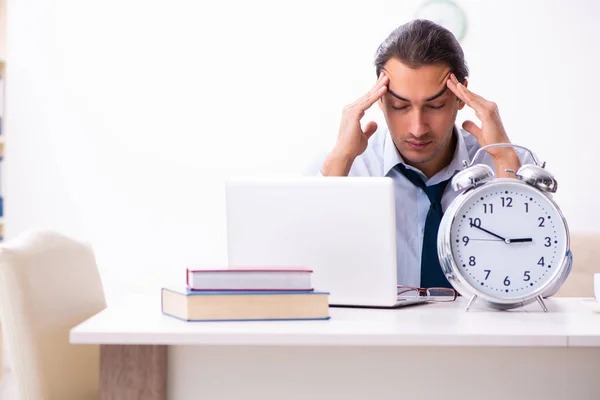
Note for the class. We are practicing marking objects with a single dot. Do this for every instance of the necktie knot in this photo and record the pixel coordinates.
(434, 192)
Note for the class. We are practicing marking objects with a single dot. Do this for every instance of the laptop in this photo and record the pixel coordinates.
(343, 228)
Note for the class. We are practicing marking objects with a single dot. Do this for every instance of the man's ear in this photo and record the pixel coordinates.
(461, 103)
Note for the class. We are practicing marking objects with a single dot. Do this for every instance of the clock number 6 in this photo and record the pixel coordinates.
(506, 281)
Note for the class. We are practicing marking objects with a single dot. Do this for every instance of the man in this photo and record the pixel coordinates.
(422, 83)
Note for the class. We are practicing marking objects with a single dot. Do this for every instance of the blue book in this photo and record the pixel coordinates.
(191, 305)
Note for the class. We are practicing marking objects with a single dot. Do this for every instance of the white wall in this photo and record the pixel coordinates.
(124, 117)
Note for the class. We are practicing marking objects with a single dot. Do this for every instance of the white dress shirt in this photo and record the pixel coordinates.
(412, 204)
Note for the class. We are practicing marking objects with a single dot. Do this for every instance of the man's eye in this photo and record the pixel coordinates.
(400, 108)
(437, 107)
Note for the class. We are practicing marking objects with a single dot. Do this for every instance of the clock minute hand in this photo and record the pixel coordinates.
(491, 233)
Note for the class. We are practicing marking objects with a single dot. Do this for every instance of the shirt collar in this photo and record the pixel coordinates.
(391, 158)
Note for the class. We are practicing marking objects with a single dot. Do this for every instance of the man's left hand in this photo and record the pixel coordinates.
(491, 131)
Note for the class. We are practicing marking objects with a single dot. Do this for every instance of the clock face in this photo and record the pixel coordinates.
(508, 239)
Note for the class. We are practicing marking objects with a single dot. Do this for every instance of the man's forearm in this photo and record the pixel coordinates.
(337, 164)
(508, 159)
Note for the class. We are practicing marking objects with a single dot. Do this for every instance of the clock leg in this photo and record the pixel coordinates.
(471, 302)
(541, 301)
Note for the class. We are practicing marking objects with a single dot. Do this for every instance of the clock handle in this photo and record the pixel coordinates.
(489, 146)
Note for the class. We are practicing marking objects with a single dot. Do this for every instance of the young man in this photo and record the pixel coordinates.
(422, 83)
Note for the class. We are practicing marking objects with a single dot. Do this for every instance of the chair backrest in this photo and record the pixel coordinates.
(586, 262)
(48, 284)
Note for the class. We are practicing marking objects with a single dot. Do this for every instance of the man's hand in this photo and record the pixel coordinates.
(352, 140)
(491, 131)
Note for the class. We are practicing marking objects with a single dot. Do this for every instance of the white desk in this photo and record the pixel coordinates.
(426, 351)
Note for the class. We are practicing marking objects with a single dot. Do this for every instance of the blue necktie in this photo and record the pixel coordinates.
(431, 271)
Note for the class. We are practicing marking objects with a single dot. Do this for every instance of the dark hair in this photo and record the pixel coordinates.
(422, 42)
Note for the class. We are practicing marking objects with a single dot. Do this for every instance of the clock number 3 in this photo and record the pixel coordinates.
(548, 242)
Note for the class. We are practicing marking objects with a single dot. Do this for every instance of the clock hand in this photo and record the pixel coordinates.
(520, 240)
(491, 233)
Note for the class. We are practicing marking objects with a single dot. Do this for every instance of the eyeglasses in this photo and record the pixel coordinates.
(432, 294)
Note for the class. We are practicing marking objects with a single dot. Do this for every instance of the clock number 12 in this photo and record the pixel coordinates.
(506, 201)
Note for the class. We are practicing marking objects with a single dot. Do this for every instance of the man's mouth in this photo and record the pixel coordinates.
(418, 145)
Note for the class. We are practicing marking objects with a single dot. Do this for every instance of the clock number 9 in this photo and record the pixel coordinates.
(466, 240)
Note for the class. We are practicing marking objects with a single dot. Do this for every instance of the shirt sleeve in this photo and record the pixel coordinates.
(524, 156)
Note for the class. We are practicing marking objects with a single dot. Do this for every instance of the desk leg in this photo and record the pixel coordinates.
(132, 372)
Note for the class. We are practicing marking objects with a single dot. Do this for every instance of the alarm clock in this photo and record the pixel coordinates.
(504, 240)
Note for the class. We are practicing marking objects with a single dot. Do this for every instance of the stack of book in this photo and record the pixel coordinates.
(246, 295)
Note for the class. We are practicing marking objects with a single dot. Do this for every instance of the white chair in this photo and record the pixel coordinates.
(586, 262)
(49, 283)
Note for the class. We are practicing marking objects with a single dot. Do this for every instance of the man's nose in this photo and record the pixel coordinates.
(418, 125)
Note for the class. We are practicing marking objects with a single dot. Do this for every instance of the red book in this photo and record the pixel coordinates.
(232, 279)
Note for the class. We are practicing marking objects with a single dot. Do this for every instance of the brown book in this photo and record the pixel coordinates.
(191, 305)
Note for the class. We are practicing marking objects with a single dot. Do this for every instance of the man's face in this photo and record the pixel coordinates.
(420, 111)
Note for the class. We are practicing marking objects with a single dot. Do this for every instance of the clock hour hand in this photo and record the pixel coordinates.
(486, 231)
(520, 240)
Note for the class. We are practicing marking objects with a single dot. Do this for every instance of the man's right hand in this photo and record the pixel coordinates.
(352, 140)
